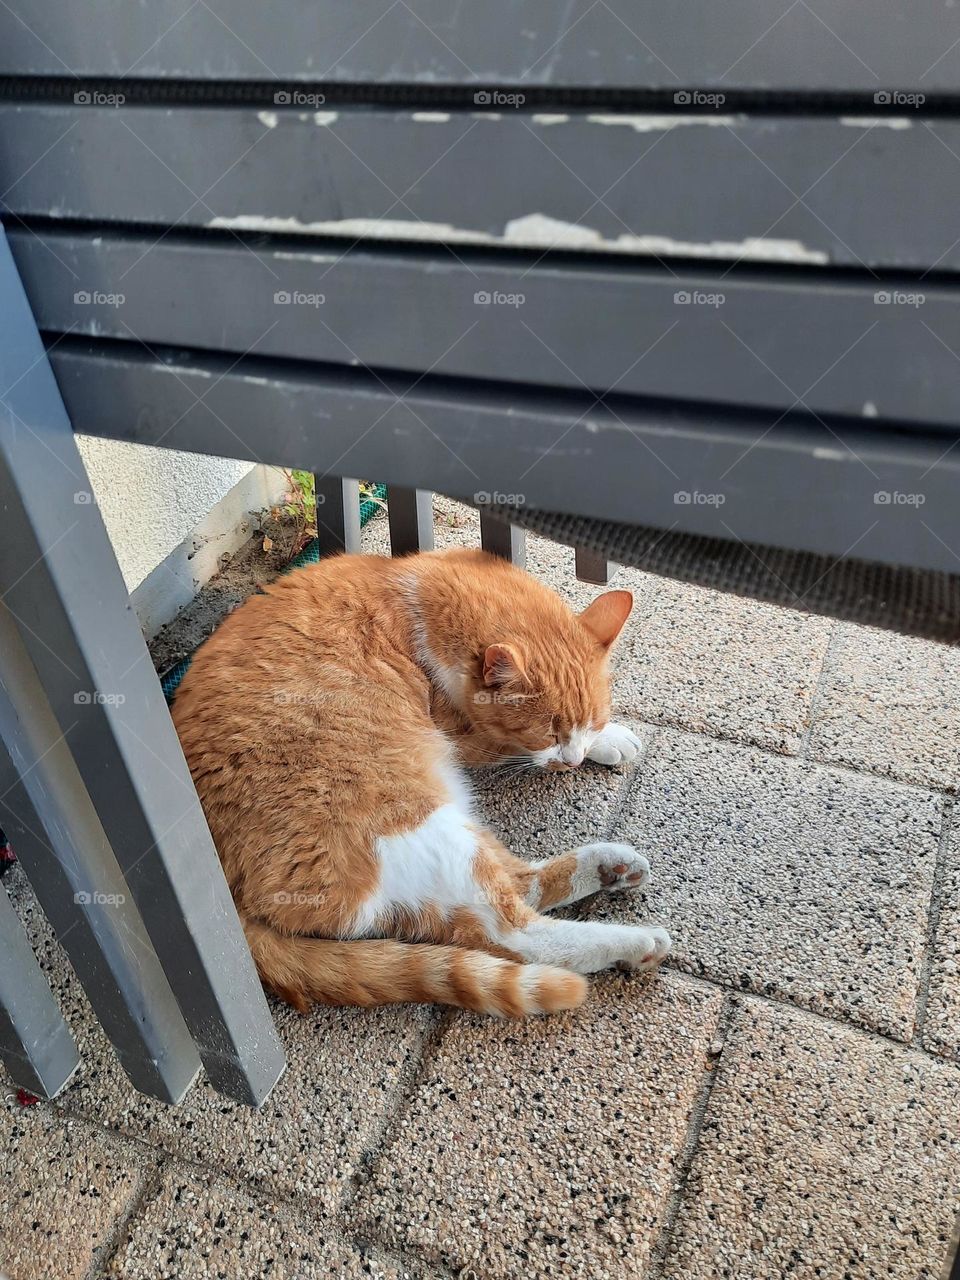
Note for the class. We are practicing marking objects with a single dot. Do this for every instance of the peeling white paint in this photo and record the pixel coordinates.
(269, 118)
(544, 118)
(432, 117)
(832, 455)
(255, 382)
(536, 231)
(877, 122)
(658, 124)
(870, 410)
(325, 117)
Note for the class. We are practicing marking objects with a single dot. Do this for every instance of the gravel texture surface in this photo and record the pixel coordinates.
(890, 704)
(806, 883)
(823, 1153)
(547, 1148)
(62, 1187)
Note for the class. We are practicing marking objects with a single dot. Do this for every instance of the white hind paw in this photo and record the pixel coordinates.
(648, 948)
(612, 867)
(615, 744)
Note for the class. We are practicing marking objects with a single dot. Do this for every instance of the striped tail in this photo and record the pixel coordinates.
(305, 971)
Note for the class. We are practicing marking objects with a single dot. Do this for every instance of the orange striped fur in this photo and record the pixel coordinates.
(325, 724)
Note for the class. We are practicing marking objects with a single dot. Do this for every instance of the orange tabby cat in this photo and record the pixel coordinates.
(324, 724)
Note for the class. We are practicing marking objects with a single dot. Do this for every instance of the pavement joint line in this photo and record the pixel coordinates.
(683, 1164)
(810, 763)
(151, 1179)
(413, 1075)
(933, 924)
(833, 641)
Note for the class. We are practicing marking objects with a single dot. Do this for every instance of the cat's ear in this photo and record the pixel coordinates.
(604, 618)
(502, 665)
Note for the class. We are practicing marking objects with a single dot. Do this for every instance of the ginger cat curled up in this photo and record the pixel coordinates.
(326, 723)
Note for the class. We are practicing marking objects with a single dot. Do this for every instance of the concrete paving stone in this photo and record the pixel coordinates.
(713, 663)
(941, 1028)
(538, 814)
(344, 1070)
(199, 1228)
(824, 1152)
(890, 704)
(794, 881)
(548, 1148)
(62, 1189)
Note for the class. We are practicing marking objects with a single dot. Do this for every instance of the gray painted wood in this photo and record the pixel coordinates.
(76, 880)
(621, 43)
(61, 583)
(773, 188)
(591, 567)
(792, 483)
(410, 512)
(748, 338)
(338, 514)
(503, 539)
(35, 1046)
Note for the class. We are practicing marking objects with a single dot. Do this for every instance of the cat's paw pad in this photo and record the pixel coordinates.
(615, 744)
(652, 943)
(612, 867)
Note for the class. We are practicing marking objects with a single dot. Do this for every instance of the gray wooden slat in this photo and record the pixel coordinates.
(35, 1046)
(798, 484)
(751, 43)
(781, 189)
(591, 567)
(746, 339)
(503, 539)
(338, 514)
(61, 583)
(410, 512)
(78, 884)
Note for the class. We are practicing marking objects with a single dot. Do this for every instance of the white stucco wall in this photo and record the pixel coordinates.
(172, 516)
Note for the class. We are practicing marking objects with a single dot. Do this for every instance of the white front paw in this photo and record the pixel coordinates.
(615, 744)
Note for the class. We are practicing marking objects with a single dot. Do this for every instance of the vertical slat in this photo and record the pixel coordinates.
(592, 567)
(78, 883)
(338, 514)
(410, 512)
(503, 539)
(61, 583)
(35, 1046)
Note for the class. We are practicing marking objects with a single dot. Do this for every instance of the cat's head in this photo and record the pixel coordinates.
(544, 693)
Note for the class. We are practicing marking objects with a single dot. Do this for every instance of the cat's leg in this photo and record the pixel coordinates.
(615, 744)
(557, 882)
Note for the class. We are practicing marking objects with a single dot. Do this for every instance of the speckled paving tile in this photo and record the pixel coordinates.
(538, 814)
(62, 1189)
(344, 1069)
(785, 879)
(890, 704)
(824, 1152)
(195, 1228)
(547, 1147)
(716, 664)
(941, 1028)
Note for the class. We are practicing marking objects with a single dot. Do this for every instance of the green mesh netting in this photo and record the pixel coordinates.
(369, 506)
